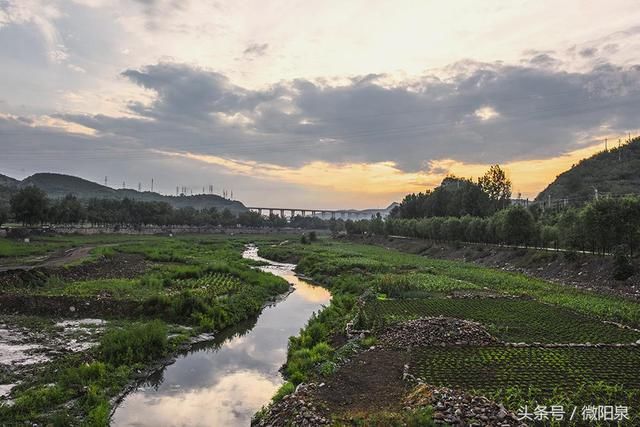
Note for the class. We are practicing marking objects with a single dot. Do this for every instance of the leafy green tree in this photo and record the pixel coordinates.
(517, 225)
(4, 215)
(227, 218)
(496, 184)
(376, 225)
(29, 206)
(549, 236)
(69, 210)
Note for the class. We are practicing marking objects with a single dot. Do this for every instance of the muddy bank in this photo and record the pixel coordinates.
(118, 266)
(580, 270)
(67, 306)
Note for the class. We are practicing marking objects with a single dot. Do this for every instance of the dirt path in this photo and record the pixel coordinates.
(56, 259)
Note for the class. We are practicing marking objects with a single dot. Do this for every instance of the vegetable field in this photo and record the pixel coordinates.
(509, 319)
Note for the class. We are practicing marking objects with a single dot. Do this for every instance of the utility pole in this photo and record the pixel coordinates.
(619, 151)
(152, 185)
(605, 145)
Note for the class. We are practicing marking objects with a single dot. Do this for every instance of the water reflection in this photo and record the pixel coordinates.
(224, 382)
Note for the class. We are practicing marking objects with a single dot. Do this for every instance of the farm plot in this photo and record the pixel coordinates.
(511, 320)
(491, 369)
(211, 283)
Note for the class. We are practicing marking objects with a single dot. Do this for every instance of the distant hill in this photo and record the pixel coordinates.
(58, 185)
(616, 172)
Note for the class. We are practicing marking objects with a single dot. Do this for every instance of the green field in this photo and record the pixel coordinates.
(513, 307)
(490, 369)
(511, 320)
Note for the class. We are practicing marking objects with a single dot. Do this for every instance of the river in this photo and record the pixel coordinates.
(224, 382)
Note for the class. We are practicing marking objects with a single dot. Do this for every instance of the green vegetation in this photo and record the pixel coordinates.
(491, 369)
(384, 286)
(511, 320)
(352, 268)
(80, 386)
(614, 171)
(199, 281)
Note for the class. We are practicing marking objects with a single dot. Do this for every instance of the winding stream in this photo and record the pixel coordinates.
(224, 382)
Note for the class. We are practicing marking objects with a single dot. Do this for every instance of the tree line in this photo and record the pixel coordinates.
(461, 210)
(30, 206)
(457, 196)
(602, 226)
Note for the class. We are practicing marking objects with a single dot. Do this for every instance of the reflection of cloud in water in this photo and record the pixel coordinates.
(232, 401)
(313, 293)
(227, 380)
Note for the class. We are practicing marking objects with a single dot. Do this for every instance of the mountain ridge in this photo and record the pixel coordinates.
(59, 185)
(612, 172)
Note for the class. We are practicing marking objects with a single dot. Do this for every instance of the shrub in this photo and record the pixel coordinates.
(139, 344)
(622, 268)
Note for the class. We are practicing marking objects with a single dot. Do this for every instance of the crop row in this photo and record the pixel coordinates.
(216, 283)
(491, 369)
(512, 320)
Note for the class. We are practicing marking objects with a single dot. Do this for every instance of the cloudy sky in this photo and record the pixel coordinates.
(326, 104)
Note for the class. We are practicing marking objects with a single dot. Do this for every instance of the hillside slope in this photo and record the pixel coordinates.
(58, 185)
(615, 172)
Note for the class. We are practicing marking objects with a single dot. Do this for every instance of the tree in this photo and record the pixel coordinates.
(67, 211)
(517, 225)
(4, 215)
(376, 225)
(496, 184)
(29, 205)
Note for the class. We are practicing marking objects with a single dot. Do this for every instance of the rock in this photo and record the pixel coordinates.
(435, 331)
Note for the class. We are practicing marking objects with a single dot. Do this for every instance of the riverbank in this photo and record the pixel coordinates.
(498, 340)
(238, 372)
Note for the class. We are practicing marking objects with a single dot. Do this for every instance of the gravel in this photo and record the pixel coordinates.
(297, 409)
(435, 331)
(457, 408)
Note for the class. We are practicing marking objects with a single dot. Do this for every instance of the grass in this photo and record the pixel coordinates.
(14, 248)
(196, 280)
(79, 386)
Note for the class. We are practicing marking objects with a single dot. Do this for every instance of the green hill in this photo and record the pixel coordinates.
(614, 172)
(58, 185)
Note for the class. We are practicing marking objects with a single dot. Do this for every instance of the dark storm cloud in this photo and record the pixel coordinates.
(536, 112)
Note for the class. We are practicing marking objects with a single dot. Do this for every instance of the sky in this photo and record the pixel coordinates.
(328, 104)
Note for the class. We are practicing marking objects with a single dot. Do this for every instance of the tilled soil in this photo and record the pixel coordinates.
(118, 266)
(67, 306)
(435, 331)
(368, 383)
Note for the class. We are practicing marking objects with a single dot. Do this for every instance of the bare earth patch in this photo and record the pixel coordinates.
(435, 331)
